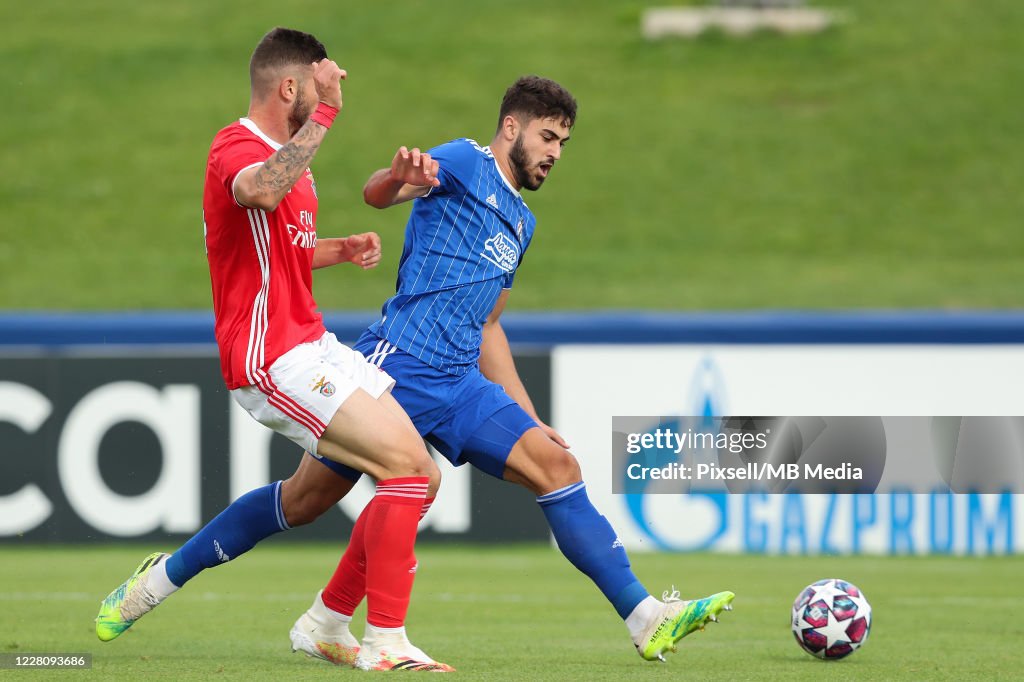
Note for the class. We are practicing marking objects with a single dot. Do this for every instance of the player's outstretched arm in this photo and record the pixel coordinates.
(412, 174)
(496, 364)
(265, 186)
(360, 249)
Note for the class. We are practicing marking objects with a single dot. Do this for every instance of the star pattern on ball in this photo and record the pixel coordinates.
(828, 593)
(834, 632)
(831, 619)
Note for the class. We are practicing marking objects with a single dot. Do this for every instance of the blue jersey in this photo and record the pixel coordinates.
(463, 243)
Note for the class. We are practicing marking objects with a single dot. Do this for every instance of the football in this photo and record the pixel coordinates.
(831, 619)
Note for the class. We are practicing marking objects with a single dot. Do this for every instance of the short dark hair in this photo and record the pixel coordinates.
(536, 97)
(284, 47)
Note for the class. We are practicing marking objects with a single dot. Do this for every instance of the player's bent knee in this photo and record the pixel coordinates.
(434, 484)
(541, 465)
(564, 469)
(410, 458)
(555, 468)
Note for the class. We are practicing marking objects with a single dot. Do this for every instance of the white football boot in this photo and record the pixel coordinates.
(320, 634)
(393, 651)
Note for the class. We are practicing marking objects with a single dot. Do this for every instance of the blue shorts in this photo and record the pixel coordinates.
(467, 418)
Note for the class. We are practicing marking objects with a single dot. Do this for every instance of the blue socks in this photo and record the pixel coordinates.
(584, 536)
(236, 530)
(590, 544)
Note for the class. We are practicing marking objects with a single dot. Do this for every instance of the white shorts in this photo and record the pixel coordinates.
(304, 388)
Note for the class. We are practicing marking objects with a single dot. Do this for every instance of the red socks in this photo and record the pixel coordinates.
(426, 506)
(380, 561)
(344, 595)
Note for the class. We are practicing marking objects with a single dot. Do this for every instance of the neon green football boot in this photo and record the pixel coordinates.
(678, 619)
(129, 602)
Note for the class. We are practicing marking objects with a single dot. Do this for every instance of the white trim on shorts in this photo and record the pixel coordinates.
(303, 389)
(380, 353)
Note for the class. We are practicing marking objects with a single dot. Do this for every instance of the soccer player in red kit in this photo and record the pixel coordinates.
(280, 363)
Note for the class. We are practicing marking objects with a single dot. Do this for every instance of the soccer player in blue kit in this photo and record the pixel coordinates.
(440, 338)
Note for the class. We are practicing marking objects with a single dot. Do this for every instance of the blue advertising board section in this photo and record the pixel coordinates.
(56, 330)
(117, 425)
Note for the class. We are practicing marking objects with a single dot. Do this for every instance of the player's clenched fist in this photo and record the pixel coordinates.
(328, 76)
(414, 167)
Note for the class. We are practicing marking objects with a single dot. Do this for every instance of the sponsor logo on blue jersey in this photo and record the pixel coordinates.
(501, 251)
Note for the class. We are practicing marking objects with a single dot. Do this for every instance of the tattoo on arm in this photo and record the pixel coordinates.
(283, 169)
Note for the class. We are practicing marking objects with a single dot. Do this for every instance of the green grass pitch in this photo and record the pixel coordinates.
(519, 613)
(874, 165)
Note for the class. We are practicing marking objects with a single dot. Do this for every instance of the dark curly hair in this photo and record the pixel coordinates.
(536, 97)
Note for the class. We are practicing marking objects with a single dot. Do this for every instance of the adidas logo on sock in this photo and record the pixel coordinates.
(220, 552)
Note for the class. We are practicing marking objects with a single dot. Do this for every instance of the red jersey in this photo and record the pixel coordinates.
(261, 263)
